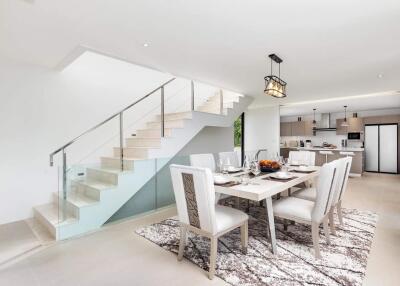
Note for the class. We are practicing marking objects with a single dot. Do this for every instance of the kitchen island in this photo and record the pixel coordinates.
(357, 165)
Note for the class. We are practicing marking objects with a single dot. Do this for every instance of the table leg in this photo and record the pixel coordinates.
(271, 223)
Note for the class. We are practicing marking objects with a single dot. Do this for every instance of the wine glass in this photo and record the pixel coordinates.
(255, 169)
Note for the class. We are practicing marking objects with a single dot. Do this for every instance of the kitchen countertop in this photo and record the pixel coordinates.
(346, 149)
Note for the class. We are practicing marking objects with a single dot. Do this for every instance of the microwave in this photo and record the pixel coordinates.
(354, 136)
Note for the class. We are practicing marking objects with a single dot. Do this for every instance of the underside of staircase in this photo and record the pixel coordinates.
(99, 192)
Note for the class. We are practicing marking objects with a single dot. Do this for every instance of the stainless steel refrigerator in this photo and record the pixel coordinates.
(381, 148)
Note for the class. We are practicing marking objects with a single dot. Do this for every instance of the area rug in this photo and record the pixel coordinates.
(343, 262)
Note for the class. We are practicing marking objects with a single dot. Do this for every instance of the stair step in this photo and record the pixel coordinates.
(91, 188)
(105, 175)
(176, 123)
(153, 133)
(76, 199)
(115, 162)
(143, 142)
(175, 116)
(50, 216)
(132, 152)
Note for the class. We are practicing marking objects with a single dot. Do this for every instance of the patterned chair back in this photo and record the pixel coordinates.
(195, 196)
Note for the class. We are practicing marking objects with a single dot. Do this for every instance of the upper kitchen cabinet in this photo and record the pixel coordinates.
(286, 128)
(298, 128)
(340, 130)
(308, 128)
(355, 125)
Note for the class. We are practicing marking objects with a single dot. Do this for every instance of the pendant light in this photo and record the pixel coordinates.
(345, 123)
(274, 85)
(314, 123)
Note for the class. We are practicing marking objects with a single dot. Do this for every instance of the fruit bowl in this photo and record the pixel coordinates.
(269, 166)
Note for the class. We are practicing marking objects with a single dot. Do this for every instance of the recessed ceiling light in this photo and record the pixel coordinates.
(380, 75)
(145, 45)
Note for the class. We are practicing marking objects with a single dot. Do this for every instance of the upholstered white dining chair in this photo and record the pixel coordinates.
(232, 157)
(302, 158)
(309, 212)
(344, 166)
(195, 200)
(206, 161)
(203, 160)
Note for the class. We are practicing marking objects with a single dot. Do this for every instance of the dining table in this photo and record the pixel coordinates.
(262, 188)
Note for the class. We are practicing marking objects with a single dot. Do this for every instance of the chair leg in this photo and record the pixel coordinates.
(285, 224)
(332, 221)
(213, 256)
(289, 192)
(339, 212)
(182, 242)
(315, 239)
(244, 236)
(326, 230)
(248, 206)
(237, 202)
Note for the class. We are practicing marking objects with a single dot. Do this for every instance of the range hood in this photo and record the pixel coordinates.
(325, 123)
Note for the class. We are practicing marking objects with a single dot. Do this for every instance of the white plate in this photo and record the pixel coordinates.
(219, 180)
(281, 175)
(232, 169)
(304, 169)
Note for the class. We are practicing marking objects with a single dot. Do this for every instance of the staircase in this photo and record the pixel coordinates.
(99, 192)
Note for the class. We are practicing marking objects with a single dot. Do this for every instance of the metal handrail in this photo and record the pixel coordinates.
(108, 119)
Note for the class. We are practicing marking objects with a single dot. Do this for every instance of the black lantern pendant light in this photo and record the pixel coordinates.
(314, 123)
(274, 85)
(345, 123)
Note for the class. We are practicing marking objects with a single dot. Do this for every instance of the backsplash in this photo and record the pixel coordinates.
(323, 136)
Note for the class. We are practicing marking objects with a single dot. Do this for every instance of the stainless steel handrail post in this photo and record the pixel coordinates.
(64, 186)
(162, 112)
(192, 93)
(121, 139)
(221, 102)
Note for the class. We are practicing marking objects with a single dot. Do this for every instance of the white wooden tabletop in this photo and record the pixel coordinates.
(259, 189)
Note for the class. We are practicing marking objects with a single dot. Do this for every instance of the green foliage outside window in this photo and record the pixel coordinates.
(237, 126)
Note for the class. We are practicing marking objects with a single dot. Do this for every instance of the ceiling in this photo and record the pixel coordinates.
(330, 48)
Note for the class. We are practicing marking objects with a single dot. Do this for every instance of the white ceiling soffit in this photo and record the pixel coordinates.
(329, 48)
(384, 100)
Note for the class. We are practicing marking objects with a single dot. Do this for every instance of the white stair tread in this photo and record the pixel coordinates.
(110, 170)
(80, 200)
(53, 215)
(96, 184)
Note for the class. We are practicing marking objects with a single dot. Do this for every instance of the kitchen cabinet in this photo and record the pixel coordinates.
(308, 129)
(298, 128)
(355, 124)
(286, 128)
(340, 130)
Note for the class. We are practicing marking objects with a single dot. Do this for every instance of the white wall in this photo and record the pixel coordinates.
(262, 127)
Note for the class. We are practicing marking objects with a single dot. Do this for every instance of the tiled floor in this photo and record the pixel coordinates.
(116, 256)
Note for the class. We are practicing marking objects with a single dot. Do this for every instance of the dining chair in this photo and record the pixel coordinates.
(195, 200)
(203, 160)
(302, 157)
(232, 157)
(309, 212)
(344, 166)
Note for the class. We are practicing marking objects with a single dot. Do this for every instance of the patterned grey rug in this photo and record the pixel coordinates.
(343, 262)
